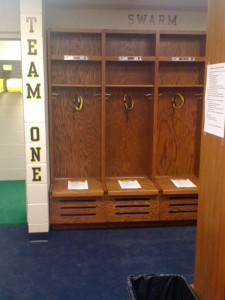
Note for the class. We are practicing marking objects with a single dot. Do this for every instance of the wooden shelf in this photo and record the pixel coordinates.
(75, 85)
(180, 86)
(59, 189)
(147, 187)
(167, 187)
(130, 86)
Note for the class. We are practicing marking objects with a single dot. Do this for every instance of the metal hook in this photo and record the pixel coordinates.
(108, 96)
(198, 95)
(98, 96)
(54, 95)
(160, 95)
(149, 96)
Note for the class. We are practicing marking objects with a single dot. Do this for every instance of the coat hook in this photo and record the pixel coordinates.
(149, 96)
(54, 95)
(98, 96)
(180, 97)
(107, 96)
(198, 95)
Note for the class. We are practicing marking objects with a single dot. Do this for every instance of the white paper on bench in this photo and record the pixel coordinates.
(78, 185)
(183, 183)
(129, 184)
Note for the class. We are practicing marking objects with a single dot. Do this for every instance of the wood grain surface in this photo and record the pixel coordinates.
(128, 142)
(182, 45)
(76, 72)
(181, 73)
(119, 73)
(130, 44)
(178, 136)
(209, 281)
(76, 134)
(147, 187)
(75, 43)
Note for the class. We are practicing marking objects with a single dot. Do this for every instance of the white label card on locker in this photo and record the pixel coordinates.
(130, 58)
(175, 58)
(75, 57)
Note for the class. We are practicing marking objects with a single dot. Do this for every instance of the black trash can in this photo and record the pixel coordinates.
(159, 287)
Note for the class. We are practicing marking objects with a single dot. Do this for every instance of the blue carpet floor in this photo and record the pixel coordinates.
(89, 264)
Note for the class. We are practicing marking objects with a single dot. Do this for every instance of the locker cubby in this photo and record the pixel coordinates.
(128, 44)
(129, 74)
(182, 74)
(126, 153)
(79, 73)
(178, 152)
(76, 151)
(75, 43)
(182, 45)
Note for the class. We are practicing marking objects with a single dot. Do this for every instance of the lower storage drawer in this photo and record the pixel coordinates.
(178, 208)
(77, 210)
(132, 209)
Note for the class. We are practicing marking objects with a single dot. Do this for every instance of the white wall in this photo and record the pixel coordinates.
(10, 19)
(125, 19)
(12, 149)
(12, 153)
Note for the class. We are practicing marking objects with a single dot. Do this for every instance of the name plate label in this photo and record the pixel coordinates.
(182, 58)
(130, 58)
(75, 57)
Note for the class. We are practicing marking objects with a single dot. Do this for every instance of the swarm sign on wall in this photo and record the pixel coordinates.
(34, 115)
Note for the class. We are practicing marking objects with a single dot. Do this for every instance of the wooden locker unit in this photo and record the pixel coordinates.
(127, 128)
(180, 77)
(130, 76)
(75, 65)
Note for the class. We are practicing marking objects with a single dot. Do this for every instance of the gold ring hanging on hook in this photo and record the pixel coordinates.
(179, 97)
(128, 102)
(78, 102)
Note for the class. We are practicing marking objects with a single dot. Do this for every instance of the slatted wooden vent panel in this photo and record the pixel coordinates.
(79, 210)
(177, 208)
(132, 209)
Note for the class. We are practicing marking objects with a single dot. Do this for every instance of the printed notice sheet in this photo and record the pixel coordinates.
(183, 183)
(129, 184)
(78, 185)
(215, 100)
